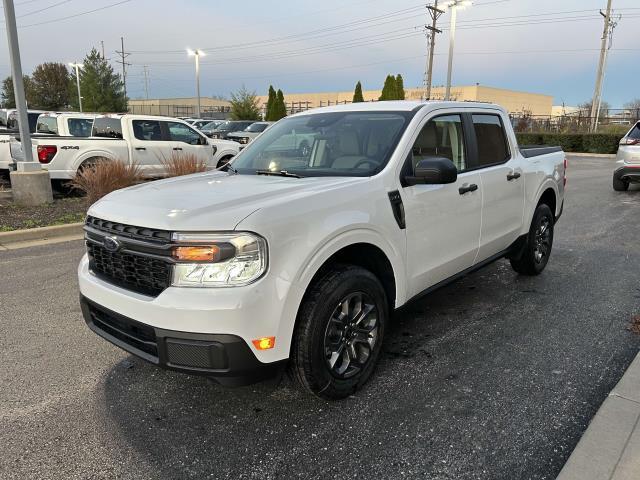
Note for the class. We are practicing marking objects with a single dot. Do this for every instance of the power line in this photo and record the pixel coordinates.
(74, 15)
(43, 9)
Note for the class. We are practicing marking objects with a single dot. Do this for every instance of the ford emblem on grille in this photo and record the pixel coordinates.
(111, 243)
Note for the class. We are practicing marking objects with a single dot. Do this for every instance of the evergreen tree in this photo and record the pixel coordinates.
(399, 87)
(270, 104)
(357, 94)
(102, 89)
(50, 86)
(280, 108)
(389, 89)
(244, 105)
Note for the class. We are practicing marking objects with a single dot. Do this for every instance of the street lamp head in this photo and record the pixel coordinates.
(196, 53)
(458, 4)
(76, 65)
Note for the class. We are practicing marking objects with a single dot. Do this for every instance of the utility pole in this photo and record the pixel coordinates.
(597, 93)
(18, 83)
(146, 81)
(430, 31)
(123, 56)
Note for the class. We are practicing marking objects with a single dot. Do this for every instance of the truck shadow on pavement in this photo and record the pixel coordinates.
(461, 368)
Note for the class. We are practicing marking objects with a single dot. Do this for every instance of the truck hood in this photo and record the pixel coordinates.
(210, 201)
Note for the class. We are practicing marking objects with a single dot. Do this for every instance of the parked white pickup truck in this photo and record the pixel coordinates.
(145, 140)
(68, 124)
(8, 133)
(300, 256)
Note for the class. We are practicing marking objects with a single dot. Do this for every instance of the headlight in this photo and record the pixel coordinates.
(218, 260)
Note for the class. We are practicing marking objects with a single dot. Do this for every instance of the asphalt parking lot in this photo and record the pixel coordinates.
(495, 376)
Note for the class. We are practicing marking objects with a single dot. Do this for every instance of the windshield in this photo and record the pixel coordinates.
(210, 125)
(256, 127)
(354, 144)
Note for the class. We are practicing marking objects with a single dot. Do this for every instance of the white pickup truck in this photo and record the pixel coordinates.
(301, 256)
(145, 140)
(8, 133)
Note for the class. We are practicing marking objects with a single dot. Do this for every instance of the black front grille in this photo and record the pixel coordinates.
(129, 231)
(139, 336)
(140, 273)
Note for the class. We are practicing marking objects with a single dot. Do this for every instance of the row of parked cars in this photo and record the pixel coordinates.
(241, 131)
(66, 142)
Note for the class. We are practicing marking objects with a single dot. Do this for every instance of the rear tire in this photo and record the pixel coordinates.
(620, 185)
(339, 335)
(537, 248)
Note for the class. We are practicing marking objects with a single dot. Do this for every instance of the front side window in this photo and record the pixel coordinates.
(107, 127)
(491, 139)
(326, 144)
(148, 130)
(80, 127)
(179, 132)
(47, 125)
(634, 134)
(441, 137)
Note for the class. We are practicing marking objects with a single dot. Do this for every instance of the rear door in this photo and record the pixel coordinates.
(149, 146)
(187, 142)
(442, 221)
(502, 179)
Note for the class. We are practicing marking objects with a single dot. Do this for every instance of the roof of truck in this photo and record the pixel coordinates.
(399, 106)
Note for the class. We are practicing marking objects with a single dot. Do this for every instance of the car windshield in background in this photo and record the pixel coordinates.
(326, 144)
(257, 127)
(231, 126)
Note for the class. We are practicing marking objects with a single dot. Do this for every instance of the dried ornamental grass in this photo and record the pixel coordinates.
(179, 164)
(105, 176)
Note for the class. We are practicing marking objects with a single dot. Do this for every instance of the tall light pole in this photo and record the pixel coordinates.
(197, 54)
(78, 66)
(454, 5)
(18, 84)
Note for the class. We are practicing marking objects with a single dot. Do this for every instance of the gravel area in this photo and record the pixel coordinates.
(61, 211)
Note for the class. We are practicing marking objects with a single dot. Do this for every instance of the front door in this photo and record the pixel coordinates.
(149, 147)
(442, 221)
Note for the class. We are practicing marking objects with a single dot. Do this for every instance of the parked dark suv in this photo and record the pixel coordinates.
(230, 126)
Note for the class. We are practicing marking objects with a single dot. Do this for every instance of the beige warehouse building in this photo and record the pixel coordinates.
(181, 107)
(514, 101)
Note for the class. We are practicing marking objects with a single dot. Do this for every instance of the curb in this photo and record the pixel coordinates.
(610, 447)
(40, 233)
(6, 195)
(598, 155)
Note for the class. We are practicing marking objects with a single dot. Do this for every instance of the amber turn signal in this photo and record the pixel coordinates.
(196, 254)
(264, 343)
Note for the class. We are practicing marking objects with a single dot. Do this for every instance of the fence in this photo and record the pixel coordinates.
(213, 112)
(611, 120)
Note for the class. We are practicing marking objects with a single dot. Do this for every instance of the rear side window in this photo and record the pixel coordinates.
(107, 127)
(47, 125)
(492, 141)
(147, 130)
(80, 127)
(635, 132)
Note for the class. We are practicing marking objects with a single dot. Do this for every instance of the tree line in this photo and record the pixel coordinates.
(52, 86)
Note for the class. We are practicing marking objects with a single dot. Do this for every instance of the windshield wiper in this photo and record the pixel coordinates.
(281, 173)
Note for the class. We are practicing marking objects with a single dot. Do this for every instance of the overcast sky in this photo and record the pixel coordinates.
(543, 46)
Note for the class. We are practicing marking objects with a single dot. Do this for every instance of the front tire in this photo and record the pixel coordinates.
(537, 249)
(620, 185)
(339, 335)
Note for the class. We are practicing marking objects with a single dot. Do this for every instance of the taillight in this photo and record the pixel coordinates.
(630, 141)
(46, 153)
(564, 174)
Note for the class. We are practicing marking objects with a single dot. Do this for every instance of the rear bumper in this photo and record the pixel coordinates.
(628, 173)
(227, 359)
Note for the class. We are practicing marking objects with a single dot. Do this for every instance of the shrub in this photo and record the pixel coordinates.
(574, 142)
(105, 176)
(183, 164)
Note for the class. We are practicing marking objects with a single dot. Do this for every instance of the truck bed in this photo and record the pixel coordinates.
(529, 151)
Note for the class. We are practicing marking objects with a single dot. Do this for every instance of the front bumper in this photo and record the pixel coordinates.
(226, 359)
(628, 172)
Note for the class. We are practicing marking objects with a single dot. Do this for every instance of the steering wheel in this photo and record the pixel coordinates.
(366, 160)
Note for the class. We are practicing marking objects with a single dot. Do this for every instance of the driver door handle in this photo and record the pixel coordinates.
(140, 148)
(177, 148)
(466, 188)
(513, 176)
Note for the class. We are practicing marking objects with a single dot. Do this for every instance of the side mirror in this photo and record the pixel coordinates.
(433, 171)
